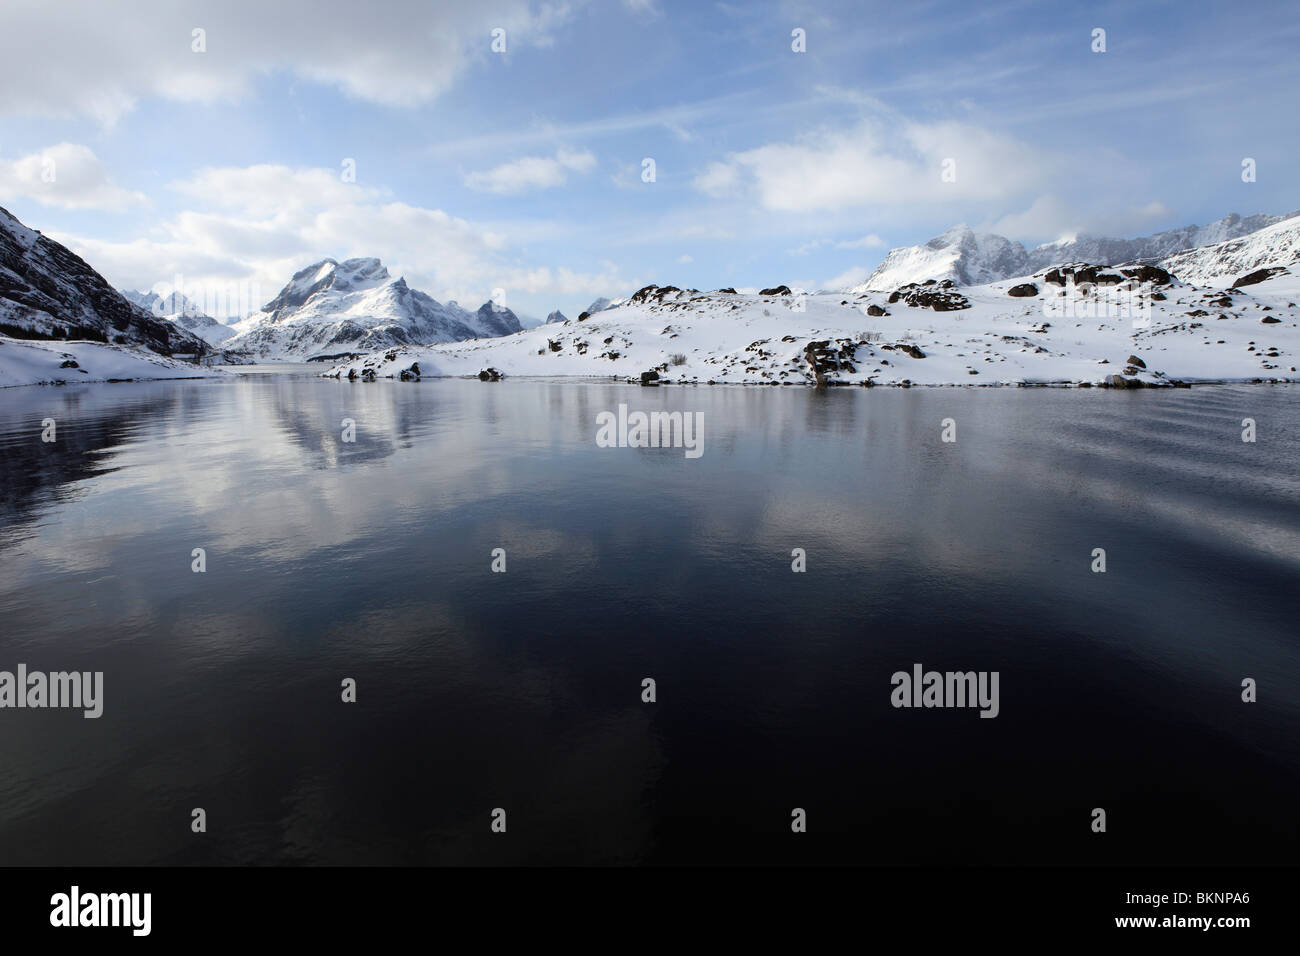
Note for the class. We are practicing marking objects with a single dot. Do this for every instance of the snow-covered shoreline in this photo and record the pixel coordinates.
(1071, 326)
(43, 362)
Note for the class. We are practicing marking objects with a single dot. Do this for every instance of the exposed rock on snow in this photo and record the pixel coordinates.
(1084, 322)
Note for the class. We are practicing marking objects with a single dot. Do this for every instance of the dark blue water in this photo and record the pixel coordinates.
(372, 560)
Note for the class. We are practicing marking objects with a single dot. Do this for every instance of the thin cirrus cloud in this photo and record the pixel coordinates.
(532, 172)
(870, 241)
(69, 176)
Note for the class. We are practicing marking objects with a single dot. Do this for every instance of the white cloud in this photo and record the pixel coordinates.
(1049, 218)
(268, 186)
(886, 162)
(854, 275)
(646, 8)
(808, 248)
(68, 175)
(718, 179)
(684, 259)
(393, 52)
(871, 241)
(532, 172)
(242, 236)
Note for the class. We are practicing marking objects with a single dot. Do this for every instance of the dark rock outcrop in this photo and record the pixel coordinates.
(1259, 275)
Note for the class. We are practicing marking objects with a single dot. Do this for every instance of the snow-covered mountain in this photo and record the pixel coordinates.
(599, 305)
(48, 292)
(556, 316)
(960, 255)
(333, 308)
(175, 307)
(1124, 327)
(967, 257)
(1222, 264)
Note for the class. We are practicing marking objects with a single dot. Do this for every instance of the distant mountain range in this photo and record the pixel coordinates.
(332, 308)
(176, 308)
(970, 258)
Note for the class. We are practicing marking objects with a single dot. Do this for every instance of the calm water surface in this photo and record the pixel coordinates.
(522, 690)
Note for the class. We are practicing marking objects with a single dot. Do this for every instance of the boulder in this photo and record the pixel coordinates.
(940, 300)
(876, 311)
(1134, 360)
(777, 290)
(489, 375)
(1149, 274)
(1259, 275)
(1024, 290)
(650, 378)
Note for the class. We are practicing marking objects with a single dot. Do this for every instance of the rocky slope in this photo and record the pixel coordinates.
(48, 292)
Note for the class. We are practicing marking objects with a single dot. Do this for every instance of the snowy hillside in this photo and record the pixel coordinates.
(1224, 263)
(178, 309)
(1074, 324)
(27, 362)
(335, 308)
(969, 258)
(47, 292)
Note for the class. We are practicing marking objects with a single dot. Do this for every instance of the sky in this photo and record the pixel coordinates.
(546, 153)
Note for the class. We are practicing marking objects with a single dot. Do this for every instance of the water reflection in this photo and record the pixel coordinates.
(371, 559)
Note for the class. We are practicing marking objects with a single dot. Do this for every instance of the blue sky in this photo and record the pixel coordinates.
(522, 171)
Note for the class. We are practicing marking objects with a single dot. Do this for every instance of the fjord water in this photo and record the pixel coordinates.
(372, 560)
